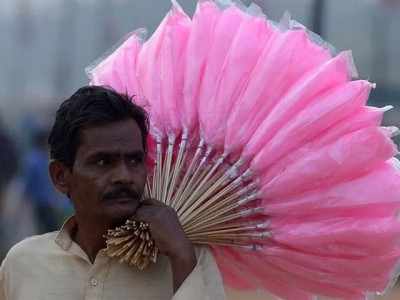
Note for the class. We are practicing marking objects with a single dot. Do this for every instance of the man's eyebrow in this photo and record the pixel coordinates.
(136, 153)
(116, 153)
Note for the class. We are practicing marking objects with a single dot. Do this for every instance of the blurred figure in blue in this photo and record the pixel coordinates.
(9, 165)
(9, 160)
(37, 185)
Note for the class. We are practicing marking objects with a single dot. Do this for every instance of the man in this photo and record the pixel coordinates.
(98, 151)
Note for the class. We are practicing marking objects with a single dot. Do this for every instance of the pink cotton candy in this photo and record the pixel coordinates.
(300, 95)
(118, 69)
(266, 268)
(276, 263)
(310, 169)
(234, 74)
(377, 192)
(335, 265)
(365, 117)
(324, 111)
(367, 282)
(148, 73)
(344, 235)
(161, 70)
(239, 272)
(203, 23)
(171, 66)
(224, 33)
(280, 65)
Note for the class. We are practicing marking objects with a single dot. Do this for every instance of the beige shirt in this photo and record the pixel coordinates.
(52, 266)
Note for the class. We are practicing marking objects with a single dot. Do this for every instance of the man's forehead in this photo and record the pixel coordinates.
(115, 152)
(112, 136)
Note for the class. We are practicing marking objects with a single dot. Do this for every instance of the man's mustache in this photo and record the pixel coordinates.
(122, 193)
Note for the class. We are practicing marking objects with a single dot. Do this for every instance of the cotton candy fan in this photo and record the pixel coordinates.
(264, 146)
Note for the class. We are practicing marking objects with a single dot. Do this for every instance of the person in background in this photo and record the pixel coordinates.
(9, 166)
(9, 159)
(37, 184)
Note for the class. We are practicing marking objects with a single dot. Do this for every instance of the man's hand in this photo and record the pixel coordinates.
(169, 237)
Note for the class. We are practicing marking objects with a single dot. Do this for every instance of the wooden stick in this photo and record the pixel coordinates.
(209, 206)
(189, 191)
(239, 224)
(211, 213)
(200, 195)
(188, 175)
(236, 224)
(177, 183)
(219, 231)
(206, 156)
(224, 243)
(117, 233)
(153, 186)
(167, 168)
(148, 192)
(223, 207)
(191, 187)
(157, 192)
(196, 192)
(233, 235)
(177, 169)
(217, 219)
(130, 252)
(120, 240)
(217, 181)
(230, 225)
(222, 193)
(231, 201)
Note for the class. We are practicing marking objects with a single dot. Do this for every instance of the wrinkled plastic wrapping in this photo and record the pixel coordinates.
(273, 106)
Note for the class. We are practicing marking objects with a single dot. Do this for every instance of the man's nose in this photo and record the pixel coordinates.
(122, 175)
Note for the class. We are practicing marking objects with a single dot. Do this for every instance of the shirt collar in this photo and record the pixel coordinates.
(64, 240)
(64, 237)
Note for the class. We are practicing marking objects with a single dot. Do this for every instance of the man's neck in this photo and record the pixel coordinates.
(90, 238)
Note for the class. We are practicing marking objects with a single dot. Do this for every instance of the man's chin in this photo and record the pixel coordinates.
(119, 214)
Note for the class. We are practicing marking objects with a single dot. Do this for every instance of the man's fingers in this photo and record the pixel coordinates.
(164, 226)
(152, 201)
(144, 213)
(151, 211)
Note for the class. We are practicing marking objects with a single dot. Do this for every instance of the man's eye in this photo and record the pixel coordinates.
(103, 162)
(136, 160)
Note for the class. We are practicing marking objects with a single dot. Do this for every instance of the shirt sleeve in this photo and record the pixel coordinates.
(204, 282)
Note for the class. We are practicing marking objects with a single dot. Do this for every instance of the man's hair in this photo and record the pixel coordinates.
(91, 106)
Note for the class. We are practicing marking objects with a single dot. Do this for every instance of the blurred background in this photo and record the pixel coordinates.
(46, 45)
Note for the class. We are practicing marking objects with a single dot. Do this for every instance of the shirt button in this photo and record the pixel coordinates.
(93, 282)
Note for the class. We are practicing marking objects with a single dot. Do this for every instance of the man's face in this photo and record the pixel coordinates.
(109, 173)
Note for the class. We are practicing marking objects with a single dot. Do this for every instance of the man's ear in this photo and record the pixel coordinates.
(59, 175)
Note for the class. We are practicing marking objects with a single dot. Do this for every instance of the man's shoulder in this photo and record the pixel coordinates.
(202, 251)
(204, 256)
(34, 245)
